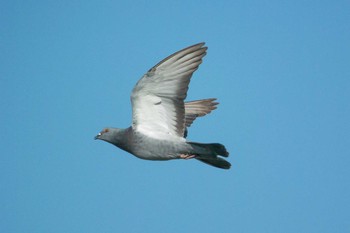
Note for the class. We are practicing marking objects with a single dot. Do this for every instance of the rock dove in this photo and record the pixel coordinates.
(160, 116)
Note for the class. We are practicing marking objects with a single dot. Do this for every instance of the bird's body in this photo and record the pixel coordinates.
(147, 148)
(161, 117)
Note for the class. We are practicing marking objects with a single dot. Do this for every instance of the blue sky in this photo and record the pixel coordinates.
(280, 70)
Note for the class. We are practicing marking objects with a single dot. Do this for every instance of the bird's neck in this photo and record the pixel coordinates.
(122, 138)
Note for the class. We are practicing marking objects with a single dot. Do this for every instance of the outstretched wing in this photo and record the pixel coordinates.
(158, 97)
(198, 108)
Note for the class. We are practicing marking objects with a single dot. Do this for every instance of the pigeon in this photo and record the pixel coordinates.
(160, 115)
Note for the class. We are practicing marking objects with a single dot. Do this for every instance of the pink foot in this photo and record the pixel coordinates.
(185, 156)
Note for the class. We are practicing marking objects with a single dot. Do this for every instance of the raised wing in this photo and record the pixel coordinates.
(198, 108)
(158, 97)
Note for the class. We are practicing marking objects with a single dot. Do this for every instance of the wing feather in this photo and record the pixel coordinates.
(198, 108)
(158, 97)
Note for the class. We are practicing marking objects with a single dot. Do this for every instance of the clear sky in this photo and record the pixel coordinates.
(280, 70)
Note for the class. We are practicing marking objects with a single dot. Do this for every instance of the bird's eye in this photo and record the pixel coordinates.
(105, 130)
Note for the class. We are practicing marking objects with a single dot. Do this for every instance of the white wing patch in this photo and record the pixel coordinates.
(152, 117)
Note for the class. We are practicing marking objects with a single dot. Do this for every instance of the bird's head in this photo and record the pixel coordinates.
(105, 134)
(114, 136)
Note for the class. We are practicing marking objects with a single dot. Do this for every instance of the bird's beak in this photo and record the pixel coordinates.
(97, 136)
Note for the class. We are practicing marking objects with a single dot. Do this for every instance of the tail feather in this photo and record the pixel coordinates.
(218, 162)
(208, 153)
(209, 148)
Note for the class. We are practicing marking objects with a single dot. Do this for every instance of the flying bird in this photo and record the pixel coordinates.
(160, 116)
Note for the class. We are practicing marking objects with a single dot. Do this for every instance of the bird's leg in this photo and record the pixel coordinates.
(186, 156)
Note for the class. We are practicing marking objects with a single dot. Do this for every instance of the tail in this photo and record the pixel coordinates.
(217, 162)
(208, 153)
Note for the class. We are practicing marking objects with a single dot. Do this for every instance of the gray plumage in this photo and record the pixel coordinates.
(160, 116)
